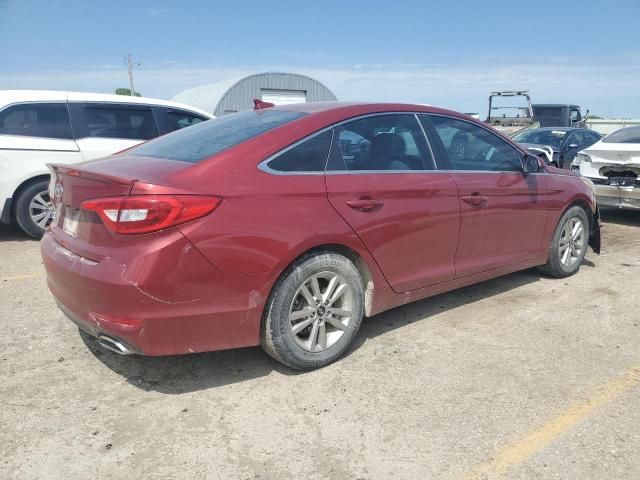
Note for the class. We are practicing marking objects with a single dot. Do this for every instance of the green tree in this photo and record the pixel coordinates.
(126, 91)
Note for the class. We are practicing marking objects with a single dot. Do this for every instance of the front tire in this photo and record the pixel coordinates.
(314, 311)
(568, 244)
(34, 211)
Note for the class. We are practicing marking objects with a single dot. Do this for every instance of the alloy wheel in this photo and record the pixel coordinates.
(320, 312)
(572, 242)
(41, 210)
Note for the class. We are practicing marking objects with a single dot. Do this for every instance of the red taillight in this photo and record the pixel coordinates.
(150, 213)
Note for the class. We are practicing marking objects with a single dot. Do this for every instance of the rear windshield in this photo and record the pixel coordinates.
(624, 135)
(201, 141)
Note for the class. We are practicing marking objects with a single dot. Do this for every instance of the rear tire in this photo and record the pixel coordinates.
(34, 211)
(314, 311)
(568, 244)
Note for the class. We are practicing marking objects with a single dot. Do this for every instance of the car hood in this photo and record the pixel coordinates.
(538, 145)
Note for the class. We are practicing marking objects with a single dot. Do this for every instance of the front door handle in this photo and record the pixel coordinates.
(364, 204)
(475, 199)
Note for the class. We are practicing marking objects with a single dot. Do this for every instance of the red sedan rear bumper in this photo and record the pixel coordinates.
(166, 300)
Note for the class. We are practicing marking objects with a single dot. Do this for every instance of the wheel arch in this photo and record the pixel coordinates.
(365, 270)
(23, 186)
(594, 221)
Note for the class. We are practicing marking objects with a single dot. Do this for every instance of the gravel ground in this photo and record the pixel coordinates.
(519, 377)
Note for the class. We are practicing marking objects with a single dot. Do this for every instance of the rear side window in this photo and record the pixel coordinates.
(178, 119)
(119, 121)
(48, 120)
(308, 156)
(201, 141)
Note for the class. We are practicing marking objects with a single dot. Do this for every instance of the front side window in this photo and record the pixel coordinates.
(471, 147)
(201, 141)
(308, 156)
(119, 121)
(178, 119)
(380, 142)
(48, 120)
(576, 138)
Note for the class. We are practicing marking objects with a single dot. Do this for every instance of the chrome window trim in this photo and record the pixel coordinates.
(383, 172)
(263, 165)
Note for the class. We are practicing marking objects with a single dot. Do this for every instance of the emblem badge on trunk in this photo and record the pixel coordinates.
(57, 191)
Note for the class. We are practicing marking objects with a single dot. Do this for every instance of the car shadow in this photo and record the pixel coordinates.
(424, 310)
(11, 233)
(201, 371)
(629, 218)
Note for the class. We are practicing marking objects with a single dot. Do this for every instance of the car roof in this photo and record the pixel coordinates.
(313, 107)
(8, 97)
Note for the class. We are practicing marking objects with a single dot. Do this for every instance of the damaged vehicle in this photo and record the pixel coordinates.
(613, 165)
(268, 227)
(559, 144)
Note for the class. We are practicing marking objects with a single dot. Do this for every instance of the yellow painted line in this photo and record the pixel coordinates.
(26, 276)
(517, 452)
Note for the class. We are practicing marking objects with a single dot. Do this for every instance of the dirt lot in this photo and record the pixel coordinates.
(519, 377)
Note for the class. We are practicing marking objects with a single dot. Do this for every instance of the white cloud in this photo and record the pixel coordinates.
(604, 88)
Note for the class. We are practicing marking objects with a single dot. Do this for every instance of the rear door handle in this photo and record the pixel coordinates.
(364, 204)
(475, 199)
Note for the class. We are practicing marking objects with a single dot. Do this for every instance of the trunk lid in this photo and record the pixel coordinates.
(83, 232)
(616, 153)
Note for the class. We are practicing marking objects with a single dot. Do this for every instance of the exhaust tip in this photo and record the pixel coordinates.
(113, 345)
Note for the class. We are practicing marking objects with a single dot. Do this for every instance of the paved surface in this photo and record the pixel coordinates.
(519, 377)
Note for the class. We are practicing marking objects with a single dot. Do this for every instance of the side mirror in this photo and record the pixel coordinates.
(531, 164)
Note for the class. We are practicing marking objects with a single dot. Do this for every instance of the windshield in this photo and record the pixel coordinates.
(624, 135)
(201, 141)
(552, 138)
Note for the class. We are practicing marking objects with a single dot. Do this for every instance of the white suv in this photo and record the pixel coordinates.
(40, 127)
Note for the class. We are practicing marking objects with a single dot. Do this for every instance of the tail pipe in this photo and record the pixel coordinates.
(114, 345)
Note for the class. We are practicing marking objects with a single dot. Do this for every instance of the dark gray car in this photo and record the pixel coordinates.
(565, 142)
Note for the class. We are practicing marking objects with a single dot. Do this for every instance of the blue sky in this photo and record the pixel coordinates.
(446, 53)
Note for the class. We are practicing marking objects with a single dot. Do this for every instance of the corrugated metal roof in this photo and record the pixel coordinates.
(238, 93)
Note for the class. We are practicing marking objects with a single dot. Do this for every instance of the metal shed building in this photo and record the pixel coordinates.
(230, 96)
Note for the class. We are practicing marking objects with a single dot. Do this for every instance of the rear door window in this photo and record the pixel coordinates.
(380, 142)
(46, 120)
(106, 120)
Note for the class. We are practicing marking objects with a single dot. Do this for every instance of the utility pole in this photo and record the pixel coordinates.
(128, 60)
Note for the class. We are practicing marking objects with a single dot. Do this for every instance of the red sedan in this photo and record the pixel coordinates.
(286, 226)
